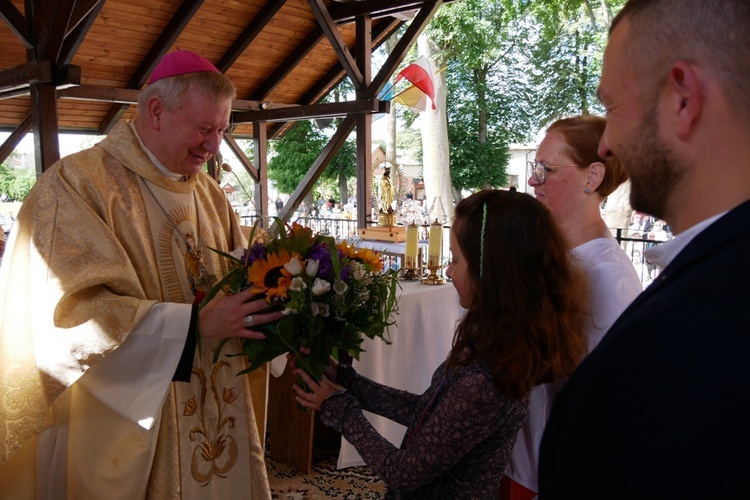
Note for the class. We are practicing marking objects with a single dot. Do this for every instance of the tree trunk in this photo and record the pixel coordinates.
(435, 146)
(617, 211)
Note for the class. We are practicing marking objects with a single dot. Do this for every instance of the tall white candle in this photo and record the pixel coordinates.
(412, 235)
(435, 248)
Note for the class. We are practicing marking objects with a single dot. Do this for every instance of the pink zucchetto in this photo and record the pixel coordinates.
(180, 63)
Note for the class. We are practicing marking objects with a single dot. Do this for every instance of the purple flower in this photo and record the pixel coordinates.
(257, 251)
(323, 255)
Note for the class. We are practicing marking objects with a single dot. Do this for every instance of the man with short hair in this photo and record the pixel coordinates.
(660, 408)
(103, 393)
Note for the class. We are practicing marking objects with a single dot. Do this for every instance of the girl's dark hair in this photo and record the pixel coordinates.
(529, 308)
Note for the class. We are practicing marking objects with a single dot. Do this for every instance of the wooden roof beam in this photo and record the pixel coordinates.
(339, 47)
(348, 12)
(309, 112)
(16, 22)
(23, 75)
(15, 137)
(130, 96)
(84, 15)
(399, 52)
(320, 163)
(336, 74)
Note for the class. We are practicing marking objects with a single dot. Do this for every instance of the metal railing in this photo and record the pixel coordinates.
(339, 228)
(346, 229)
(635, 249)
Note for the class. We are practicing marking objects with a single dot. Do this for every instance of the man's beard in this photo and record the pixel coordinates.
(653, 168)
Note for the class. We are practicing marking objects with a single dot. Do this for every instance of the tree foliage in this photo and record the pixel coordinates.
(15, 182)
(512, 67)
(293, 155)
(565, 55)
(296, 152)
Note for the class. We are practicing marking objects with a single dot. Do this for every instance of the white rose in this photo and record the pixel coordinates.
(238, 252)
(294, 266)
(320, 286)
(340, 287)
(298, 284)
(312, 267)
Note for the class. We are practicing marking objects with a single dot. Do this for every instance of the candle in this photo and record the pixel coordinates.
(434, 250)
(412, 235)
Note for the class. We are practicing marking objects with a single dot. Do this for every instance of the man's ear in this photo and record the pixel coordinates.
(595, 175)
(687, 99)
(155, 108)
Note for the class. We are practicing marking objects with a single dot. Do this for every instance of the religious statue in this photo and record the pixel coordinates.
(386, 193)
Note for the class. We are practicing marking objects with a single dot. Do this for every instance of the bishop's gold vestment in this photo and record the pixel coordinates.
(94, 260)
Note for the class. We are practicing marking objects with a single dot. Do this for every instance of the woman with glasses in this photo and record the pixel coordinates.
(570, 178)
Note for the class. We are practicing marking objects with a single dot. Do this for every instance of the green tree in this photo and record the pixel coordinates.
(565, 55)
(15, 181)
(478, 41)
(293, 155)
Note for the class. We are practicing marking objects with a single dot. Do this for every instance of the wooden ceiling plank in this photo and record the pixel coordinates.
(16, 22)
(248, 35)
(289, 64)
(171, 32)
(339, 47)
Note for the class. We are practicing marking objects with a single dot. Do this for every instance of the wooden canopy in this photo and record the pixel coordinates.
(78, 66)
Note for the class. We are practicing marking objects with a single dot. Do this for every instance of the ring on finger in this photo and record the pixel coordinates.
(249, 321)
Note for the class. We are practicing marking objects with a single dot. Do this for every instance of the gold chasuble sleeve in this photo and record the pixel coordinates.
(83, 270)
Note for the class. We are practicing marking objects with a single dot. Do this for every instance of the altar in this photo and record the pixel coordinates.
(422, 338)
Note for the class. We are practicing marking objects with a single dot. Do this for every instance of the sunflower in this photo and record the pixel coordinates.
(269, 276)
(348, 251)
(369, 257)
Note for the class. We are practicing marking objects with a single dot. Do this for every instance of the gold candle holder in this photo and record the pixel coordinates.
(435, 254)
(433, 278)
(408, 274)
(411, 253)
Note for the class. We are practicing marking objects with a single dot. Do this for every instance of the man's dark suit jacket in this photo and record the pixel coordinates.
(661, 408)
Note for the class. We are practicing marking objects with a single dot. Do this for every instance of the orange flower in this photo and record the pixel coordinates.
(369, 257)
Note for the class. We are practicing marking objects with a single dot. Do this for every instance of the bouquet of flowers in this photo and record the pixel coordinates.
(331, 295)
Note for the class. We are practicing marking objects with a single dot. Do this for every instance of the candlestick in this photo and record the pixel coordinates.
(435, 248)
(412, 235)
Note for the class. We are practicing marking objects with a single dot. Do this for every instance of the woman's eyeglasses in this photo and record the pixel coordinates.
(540, 169)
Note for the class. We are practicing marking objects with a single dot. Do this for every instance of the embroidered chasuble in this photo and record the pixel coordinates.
(96, 302)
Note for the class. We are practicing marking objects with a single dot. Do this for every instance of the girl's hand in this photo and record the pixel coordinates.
(319, 392)
(333, 366)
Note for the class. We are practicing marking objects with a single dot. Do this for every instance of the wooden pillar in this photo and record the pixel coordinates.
(364, 121)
